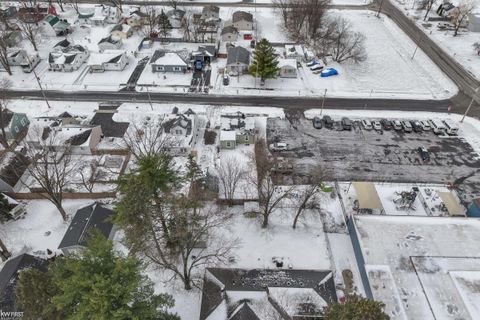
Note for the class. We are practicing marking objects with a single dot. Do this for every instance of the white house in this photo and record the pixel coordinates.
(242, 20)
(109, 60)
(52, 26)
(20, 58)
(105, 14)
(181, 129)
(68, 59)
(121, 31)
(294, 52)
(288, 68)
(110, 43)
(229, 33)
(210, 12)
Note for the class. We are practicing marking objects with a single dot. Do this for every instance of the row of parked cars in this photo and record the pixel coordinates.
(439, 127)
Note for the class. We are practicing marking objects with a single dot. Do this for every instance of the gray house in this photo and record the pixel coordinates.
(12, 167)
(251, 294)
(176, 17)
(210, 12)
(110, 43)
(92, 217)
(163, 61)
(9, 277)
(229, 33)
(238, 59)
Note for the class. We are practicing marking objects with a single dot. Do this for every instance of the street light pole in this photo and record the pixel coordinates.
(470, 105)
(323, 101)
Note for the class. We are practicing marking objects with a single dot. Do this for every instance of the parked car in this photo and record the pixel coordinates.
(377, 125)
(417, 127)
(279, 146)
(347, 123)
(328, 122)
(407, 126)
(226, 80)
(367, 125)
(386, 124)
(327, 72)
(312, 63)
(317, 71)
(317, 123)
(338, 126)
(424, 154)
(316, 67)
(426, 125)
(397, 125)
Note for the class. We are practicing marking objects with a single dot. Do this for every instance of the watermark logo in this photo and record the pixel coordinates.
(10, 315)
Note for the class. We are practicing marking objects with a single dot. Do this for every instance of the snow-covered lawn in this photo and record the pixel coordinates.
(388, 72)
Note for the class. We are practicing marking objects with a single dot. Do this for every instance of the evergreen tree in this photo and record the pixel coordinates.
(265, 62)
(98, 283)
(164, 25)
(5, 209)
(356, 308)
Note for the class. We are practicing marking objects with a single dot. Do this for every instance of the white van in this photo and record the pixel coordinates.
(452, 128)
(438, 127)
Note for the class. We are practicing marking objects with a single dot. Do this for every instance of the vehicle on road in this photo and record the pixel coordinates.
(317, 123)
(424, 154)
(346, 123)
(328, 122)
(386, 124)
(417, 127)
(452, 128)
(279, 146)
(397, 125)
(316, 67)
(367, 125)
(426, 125)
(377, 125)
(226, 80)
(407, 126)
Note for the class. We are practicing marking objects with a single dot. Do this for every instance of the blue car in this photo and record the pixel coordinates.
(312, 63)
(327, 72)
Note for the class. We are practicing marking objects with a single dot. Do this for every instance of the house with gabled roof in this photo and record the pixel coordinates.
(15, 124)
(68, 59)
(121, 31)
(108, 60)
(238, 60)
(53, 26)
(137, 18)
(105, 14)
(210, 12)
(110, 43)
(242, 20)
(12, 167)
(181, 129)
(92, 217)
(163, 61)
(229, 33)
(253, 294)
(176, 16)
(9, 276)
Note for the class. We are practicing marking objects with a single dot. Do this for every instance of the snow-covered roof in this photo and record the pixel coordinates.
(287, 63)
(227, 135)
(294, 50)
(167, 58)
(105, 57)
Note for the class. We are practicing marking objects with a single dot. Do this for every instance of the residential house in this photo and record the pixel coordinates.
(251, 294)
(121, 31)
(446, 9)
(82, 139)
(238, 60)
(211, 12)
(474, 22)
(87, 219)
(85, 18)
(8, 13)
(163, 61)
(110, 43)
(137, 19)
(242, 20)
(12, 38)
(176, 17)
(205, 53)
(108, 60)
(229, 33)
(181, 129)
(15, 124)
(110, 128)
(68, 59)
(294, 52)
(62, 45)
(53, 26)
(9, 278)
(12, 167)
(32, 14)
(228, 139)
(288, 68)
(105, 14)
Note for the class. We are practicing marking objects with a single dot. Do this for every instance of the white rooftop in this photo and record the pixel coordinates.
(287, 62)
(170, 58)
(227, 135)
(105, 56)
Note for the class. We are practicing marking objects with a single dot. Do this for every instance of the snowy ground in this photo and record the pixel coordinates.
(423, 267)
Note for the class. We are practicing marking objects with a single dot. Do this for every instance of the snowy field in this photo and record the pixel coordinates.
(388, 72)
(423, 267)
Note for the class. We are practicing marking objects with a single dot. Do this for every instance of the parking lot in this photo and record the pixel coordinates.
(360, 155)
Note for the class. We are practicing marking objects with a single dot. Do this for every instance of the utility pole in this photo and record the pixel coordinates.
(38, 81)
(380, 8)
(470, 105)
(149, 98)
(323, 101)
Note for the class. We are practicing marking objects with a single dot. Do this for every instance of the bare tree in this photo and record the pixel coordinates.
(51, 165)
(5, 84)
(147, 140)
(230, 172)
(303, 18)
(60, 4)
(308, 194)
(89, 174)
(118, 4)
(427, 6)
(4, 44)
(187, 27)
(284, 6)
(343, 43)
(151, 20)
(460, 13)
(269, 195)
(29, 32)
(173, 4)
